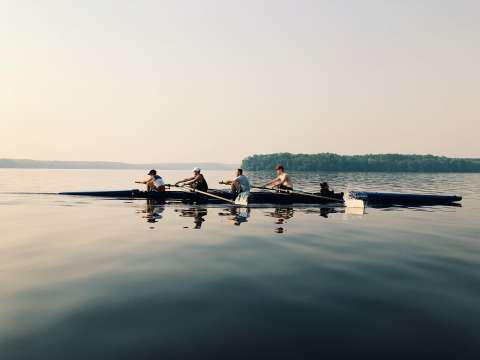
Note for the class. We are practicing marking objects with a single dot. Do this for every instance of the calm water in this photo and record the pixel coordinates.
(85, 278)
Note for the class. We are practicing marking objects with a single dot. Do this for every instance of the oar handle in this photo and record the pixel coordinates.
(262, 187)
(299, 192)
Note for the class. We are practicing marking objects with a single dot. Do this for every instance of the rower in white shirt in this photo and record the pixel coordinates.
(154, 183)
(239, 185)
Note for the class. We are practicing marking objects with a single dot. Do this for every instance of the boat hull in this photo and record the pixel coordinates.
(267, 197)
(257, 197)
(380, 198)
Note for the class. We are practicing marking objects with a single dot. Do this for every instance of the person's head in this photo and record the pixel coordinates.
(239, 172)
(196, 170)
(280, 169)
(324, 185)
(152, 172)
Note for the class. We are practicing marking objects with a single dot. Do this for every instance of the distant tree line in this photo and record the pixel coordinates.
(371, 162)
(54, 164)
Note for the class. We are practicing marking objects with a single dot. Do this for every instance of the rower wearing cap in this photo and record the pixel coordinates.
(282, 181)
(154, 183)
(197, 181)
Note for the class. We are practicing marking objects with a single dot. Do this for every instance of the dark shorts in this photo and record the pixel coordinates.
(158, 188)
(199, 187)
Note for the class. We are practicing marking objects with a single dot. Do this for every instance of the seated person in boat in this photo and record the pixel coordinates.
(325, 191)
(197, 181)
(239, 184)
(282, 181)
(154, 183)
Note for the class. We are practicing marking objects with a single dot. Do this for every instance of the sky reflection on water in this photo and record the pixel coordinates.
(114, 279)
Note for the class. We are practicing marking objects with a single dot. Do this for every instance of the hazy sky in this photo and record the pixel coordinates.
(145, 81)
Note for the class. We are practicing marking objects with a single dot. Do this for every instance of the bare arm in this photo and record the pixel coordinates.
(186, 181)
(144, 182)
(274, 182)
(191, 180)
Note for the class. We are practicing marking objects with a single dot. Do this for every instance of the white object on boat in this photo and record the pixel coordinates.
(352, 202)
(242, 198)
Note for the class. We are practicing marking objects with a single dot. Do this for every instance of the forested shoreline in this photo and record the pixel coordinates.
(362, 163)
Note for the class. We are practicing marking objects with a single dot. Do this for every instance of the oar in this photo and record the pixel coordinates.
(347, 201)
(208, 194)
(299, 192)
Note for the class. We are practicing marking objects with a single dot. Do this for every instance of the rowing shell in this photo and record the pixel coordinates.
(268, 197)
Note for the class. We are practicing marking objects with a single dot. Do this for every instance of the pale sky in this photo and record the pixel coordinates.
(186, 81)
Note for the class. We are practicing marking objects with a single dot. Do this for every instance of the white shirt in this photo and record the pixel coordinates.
(158, 181)
(244, 183)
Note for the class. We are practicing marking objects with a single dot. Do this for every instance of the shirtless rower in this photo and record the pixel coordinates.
(154, 183)
(282, 181)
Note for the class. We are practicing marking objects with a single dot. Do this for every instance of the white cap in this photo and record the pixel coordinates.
(196, 169)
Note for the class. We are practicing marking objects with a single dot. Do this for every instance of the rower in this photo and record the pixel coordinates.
(239, 185)
(282, 181)
(327, 192)
(196, 182)
(154, 183)
(325, 189)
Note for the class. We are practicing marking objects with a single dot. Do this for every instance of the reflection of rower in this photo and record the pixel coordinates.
(282, 181)
(153, 211)
(196, 213)
(281, 214)
(325, 211)
(154, 183)
(237, 215)
(197, 181)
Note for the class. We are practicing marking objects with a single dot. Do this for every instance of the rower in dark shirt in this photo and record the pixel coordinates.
(325, 189)
(197, 181)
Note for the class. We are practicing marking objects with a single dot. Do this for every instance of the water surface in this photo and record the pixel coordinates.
(86, 278)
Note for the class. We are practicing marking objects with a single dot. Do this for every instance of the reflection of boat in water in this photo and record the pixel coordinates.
(279, 198)
(154, 211)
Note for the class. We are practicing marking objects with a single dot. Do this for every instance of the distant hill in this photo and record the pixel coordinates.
(371, 162)
(42, 164)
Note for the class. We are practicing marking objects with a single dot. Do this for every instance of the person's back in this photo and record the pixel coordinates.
(200, 183)
(286, 180)
(154, 183)
(197, 181)
(325, 189)
(282, 181)
(244, 183)
(158, 182)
